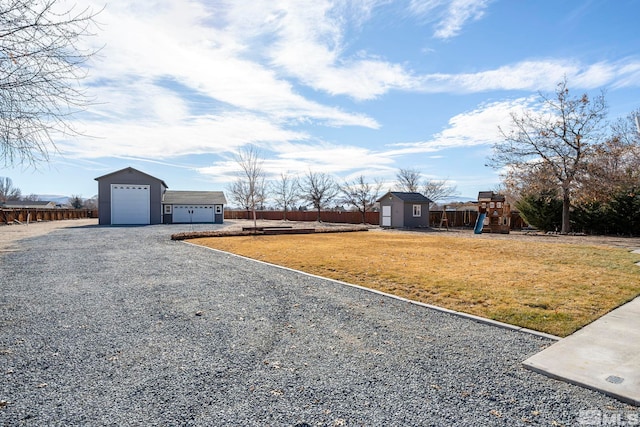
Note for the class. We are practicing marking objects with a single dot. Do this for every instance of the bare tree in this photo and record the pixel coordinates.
(319, 189)
(613, 166)
(41, 65)
(285, 192)
(8, 191)
(31, 198)
(517, 183)
(628, 128)
(408, 180)
(251, 180)
(239, 193)
(438, 189)
(76, 201)
(91, 203)
(361, 194)
(560, 138)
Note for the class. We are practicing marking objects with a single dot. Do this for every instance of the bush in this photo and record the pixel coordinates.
(543, 211)
(592, 218)
(624, 210)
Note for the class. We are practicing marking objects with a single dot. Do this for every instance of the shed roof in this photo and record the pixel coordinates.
(408, 197)
(130, 169)
(194, 197)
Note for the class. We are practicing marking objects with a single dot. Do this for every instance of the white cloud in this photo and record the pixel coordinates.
(458, 13)
(178, 78)
(299, 159)
(176, 40)
(162, 140)
(450, 15)
(535, 75)
(473, 128)
(308, 45)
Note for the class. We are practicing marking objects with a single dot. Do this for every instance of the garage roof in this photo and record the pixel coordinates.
(194, 198)
(130, 169)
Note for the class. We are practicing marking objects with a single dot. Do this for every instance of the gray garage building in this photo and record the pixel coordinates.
(181, 207)
(404, 210)
(129, 197)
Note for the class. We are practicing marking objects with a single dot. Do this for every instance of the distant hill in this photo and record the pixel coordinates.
(61, 200)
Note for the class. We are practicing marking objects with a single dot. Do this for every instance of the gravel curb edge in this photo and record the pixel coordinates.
(418, 303)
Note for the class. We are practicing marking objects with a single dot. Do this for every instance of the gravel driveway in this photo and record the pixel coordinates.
(122, 326)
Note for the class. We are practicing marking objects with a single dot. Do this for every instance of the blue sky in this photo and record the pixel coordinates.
(343, 87)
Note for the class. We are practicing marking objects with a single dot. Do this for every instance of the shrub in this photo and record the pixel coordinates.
(543, 211)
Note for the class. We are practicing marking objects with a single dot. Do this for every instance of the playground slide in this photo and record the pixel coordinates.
(479, 223)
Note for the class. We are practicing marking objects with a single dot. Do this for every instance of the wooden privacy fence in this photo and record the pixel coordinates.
(8, 216)
(455, 219)
(325, 216)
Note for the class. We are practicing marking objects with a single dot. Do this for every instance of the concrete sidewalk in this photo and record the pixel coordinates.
(603, 356)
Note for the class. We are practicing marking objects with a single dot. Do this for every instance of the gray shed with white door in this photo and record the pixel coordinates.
(404, 210)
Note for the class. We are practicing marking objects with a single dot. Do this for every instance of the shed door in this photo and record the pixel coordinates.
(130, 204)
(386, 216)
(192, 213)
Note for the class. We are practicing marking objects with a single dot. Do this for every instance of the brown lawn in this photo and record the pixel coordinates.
(550, 287)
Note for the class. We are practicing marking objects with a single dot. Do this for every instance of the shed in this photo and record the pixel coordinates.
(193, 207)
(129, 196)
(404, 210)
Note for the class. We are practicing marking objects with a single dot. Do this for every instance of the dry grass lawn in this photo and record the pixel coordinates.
(549, 287)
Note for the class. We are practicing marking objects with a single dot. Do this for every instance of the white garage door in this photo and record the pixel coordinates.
(130, 204)
(190, 213)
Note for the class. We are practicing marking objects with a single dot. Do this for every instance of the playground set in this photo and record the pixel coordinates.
(494, 214)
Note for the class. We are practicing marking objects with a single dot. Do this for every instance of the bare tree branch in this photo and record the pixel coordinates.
(285, 192)
(408, 180)
(438, 190)
(238, 192)
(41, 66)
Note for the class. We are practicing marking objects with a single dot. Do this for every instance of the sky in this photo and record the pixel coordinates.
(349, 88)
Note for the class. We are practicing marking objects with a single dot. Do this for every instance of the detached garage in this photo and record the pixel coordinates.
(184, 207)
(130, 197)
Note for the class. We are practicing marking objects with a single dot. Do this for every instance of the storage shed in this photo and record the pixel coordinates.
(129, 196)
(404, 210)
(181, 207)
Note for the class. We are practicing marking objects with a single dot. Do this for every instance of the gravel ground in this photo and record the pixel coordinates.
(122, 326)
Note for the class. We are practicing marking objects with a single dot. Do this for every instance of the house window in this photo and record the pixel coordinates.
(167, 209)
(417, 210)
(218, 209)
